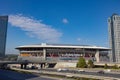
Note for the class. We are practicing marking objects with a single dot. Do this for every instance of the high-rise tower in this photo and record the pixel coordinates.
(3, 33)
(114, 37)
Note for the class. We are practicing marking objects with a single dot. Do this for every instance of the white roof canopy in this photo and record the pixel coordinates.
(44, 45)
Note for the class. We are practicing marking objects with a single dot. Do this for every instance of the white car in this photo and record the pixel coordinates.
(108, 70)
(59, 69)
(62, 69)
(81, 70)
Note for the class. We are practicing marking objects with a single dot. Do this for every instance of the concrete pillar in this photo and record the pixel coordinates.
(40, 66)
(44, 54)
(21, 66)
(25, 66)
(44, 65)
(97, 56)
(83, 53)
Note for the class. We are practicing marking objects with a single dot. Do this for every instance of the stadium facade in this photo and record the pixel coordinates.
(3, 34)
(62, 52)
(114, 37)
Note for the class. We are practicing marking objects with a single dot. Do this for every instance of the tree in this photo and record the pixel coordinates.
(81, 63)
(115, 66)
(105, 66)
(90, 64)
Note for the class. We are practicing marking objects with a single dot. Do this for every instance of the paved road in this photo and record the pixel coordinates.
(12, 75)
(87, 73)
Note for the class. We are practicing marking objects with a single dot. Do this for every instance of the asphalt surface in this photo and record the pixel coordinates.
(87, 73)
(12, 75)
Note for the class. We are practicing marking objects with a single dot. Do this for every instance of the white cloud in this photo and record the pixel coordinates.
(65, 21)
(78, 39)
(35, 28)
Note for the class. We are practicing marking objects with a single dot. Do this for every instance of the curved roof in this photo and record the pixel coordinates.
(45, 45)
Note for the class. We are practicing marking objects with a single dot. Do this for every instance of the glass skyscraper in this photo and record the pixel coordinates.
(3, 34)
(114, 37)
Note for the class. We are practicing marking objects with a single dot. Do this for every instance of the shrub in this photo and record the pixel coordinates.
(106, 66)
(90, 64)
(81, 63)
(115, 66)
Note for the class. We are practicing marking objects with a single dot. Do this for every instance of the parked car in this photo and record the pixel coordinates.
(62, 69)
(81, 70)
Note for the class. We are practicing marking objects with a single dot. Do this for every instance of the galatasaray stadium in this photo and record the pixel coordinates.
(62, 53)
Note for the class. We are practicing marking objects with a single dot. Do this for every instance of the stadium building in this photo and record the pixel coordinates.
(62, 52)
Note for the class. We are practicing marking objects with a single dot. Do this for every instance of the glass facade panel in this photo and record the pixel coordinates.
(114, 37)
(3, 33)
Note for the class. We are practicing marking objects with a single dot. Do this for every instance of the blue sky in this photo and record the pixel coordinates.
(57, 21)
